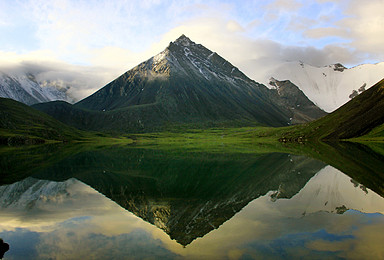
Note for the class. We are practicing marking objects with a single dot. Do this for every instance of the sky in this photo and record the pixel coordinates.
(90, 42)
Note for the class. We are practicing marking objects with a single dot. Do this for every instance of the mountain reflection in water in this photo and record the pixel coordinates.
(247, 198)
(186, 195)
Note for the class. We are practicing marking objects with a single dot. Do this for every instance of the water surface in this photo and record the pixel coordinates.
(63, 202)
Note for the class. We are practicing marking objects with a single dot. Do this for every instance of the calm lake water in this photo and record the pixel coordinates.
(77, 202)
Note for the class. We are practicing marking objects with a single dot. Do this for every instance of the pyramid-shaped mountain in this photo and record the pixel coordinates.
(188, 84)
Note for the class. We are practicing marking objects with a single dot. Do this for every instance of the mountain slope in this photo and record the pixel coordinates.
(331, 86)
(20, 123)
(356, 118)
(303, 109)
(25, 88)
(188, 84)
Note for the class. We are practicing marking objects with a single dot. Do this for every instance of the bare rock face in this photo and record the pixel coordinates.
(354, 94)
(302, 108)
(339, 67)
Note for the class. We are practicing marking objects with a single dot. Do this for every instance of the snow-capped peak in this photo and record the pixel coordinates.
(24, 87)
(184, 41)
(331, 86)
(161, 56)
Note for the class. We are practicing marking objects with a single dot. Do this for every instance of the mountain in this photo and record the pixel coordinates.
(356, 118)
(24, 88)
(331, 86)
(21, 124)
(303, 109)
(184, 84)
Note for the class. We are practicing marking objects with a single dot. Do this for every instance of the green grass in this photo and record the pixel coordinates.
(235, 140)
(376, 135)
(21, 124)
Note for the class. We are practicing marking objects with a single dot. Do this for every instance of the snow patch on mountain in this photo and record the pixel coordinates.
(26, 89)
(200, 60)
(331, 86)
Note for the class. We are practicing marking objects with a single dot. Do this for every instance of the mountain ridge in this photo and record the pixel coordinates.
(184, 84)
(25, 88)
(331, 86)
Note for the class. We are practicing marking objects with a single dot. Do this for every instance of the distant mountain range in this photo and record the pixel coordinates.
(184, 84)
(25, 88)
(189, 86)
(327, 87)
(331, 86)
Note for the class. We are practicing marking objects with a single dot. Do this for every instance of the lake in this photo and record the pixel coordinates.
(127, 202)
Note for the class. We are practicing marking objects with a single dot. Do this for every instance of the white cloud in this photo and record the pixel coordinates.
(327, 32)
(256, 57)
(81, 80)
(234, 26)
(362, 27)
(366, 24)
(114, 36)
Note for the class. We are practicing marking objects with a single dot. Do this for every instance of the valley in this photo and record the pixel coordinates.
(191, 129)
(189, 95)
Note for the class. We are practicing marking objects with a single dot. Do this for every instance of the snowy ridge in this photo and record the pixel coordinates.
(30, 192)
(331, 86)
(25, 88)
(206, 62)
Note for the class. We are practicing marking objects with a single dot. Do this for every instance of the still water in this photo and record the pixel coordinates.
(132, 203)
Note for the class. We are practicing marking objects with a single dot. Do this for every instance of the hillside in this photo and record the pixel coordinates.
(354, 119)
(20, 124)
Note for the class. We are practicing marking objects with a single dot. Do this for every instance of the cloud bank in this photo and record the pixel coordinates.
(90, 43)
